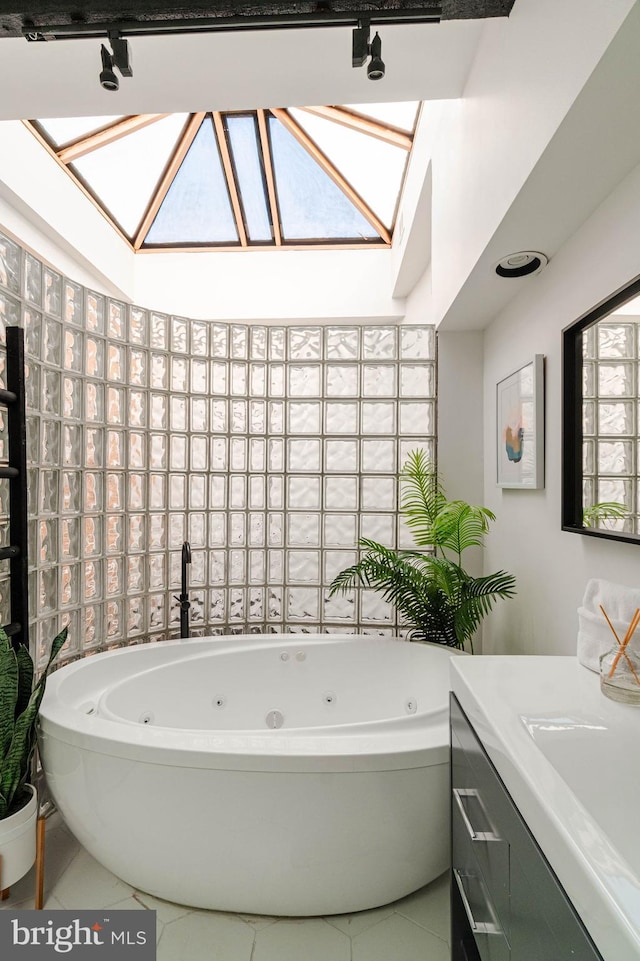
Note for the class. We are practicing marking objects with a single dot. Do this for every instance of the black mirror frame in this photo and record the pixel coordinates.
(572, 434)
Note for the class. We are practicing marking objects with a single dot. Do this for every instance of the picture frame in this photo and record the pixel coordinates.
(520, 427)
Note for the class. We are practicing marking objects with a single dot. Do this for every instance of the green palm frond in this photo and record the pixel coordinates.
(422, 498)
(460, 525)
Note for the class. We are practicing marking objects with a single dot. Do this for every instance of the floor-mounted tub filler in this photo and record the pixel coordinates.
(271, 774)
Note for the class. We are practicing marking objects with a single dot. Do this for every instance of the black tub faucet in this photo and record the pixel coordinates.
(183, 600)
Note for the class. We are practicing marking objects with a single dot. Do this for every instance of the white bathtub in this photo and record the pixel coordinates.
(270, 774)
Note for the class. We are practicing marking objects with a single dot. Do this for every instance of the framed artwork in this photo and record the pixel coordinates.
(520, 427)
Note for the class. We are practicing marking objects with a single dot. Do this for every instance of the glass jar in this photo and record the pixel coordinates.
(620, 674)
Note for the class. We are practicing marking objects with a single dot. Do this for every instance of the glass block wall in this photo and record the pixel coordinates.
(611, 386)
(270, 449)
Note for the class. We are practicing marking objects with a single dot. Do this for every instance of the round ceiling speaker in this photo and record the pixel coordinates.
(521, 264)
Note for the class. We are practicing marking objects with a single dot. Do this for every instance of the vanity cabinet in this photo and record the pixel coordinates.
(506, 902)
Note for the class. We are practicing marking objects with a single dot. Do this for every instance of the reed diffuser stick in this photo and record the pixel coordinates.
(630, 632)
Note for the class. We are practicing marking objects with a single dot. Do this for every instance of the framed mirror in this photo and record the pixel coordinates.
(601, 419)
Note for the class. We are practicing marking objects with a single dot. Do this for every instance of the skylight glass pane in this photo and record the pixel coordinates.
(402, 115)
(64, 129)
(373, 168)
(312, 207)
(124, 174)
(244, 148)
(196, 208)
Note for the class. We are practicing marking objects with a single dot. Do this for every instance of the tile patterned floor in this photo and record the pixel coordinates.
(415, 928)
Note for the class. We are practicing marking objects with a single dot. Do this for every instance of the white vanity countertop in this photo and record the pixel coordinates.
(570, 758)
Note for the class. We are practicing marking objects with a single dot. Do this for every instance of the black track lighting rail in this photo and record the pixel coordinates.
(129, 28)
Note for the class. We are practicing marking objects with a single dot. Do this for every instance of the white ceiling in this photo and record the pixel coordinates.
(235, 71)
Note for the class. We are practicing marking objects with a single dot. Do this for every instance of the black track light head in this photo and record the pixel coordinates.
(362, 48)
(376, 67)
(108, 79)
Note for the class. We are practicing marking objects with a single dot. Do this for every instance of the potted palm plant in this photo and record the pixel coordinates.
(19, 705)
(439, 601)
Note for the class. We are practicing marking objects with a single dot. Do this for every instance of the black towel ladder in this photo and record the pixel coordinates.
(13, 398)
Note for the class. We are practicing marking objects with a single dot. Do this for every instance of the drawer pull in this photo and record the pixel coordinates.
(478, 927)
(463, 792)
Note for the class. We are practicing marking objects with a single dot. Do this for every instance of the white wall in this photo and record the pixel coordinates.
(553, 566)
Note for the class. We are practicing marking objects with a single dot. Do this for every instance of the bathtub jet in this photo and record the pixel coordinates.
(277, 774)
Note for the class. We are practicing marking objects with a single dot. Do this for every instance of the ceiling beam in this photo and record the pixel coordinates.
(180, 152)
(314, 151)
(230, 178)
(356, 121)
(106, 135)
(268, 170)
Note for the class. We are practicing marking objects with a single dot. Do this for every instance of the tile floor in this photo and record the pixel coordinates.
(415, 928)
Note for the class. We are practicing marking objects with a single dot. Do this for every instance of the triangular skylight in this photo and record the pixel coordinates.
(312, 176)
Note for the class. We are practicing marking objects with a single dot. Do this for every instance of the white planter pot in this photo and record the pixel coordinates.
(18, 842)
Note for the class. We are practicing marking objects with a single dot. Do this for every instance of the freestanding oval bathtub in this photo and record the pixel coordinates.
(271, 774)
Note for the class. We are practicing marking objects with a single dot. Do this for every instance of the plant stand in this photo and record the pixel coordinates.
(39, 863)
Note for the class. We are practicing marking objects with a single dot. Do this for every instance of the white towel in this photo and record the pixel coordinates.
(594, 634)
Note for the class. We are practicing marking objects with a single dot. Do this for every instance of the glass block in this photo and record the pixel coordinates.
(379, 343)
(239, 416)
(217, 491)
(32, 323)
(340, 530)
(341, 418)
(417, 343)
(93, 401)
(340, 607)
(305, 343)
(138, 326)
(217, 529)
(303, 567)
(179, 335)
(256, 604)
(276, 417)
(303, 603)
(157, 451)
(257, 380)
(335, 561)
(197, 492)
(114, 576)
(217, 567)
(179, 374)
(616, 380)
(91, 537)
(276, 380)
(417, 418)
(116, 363)
(93, 494)
(257, 562)
(49, 489)
(159, 373)
(275, 530)
(379, 493)
(157, 492)
(115, 483)
(219, 340)
(237, 532)
(238, 492)
(32, 280)
(256, 530)
(304, 380)
(341, 493)
(69, 584)
(217, 605)
(615, 457)
(341, 455)
(218, 453)
(137, 450)
(92, 580)
(588, 380)
(157, 532)
(137, 533)
(588, 457)
(9, 313)
(51, 389)
(51, 443)
(406, 446)
(378, 456)
(199, 339)
(236, 568)
(303, 418)
(52, 342)
(379, 380)
(33, 441)
(95, 312)
(374, 608)
(218, 416)
(199, 414)
(115, 539)
(341, 380)
(275, 569)
(199, 453)
(177, 529)
(137, 408)
(417, 380)
(32, 386)
(9, 264)
(276, 454)
(93, 629)
(239, 341)
(157, 608)
(378, 527)
(275, 493)
(342, 343)
(52, 292)
(159, 418)
(257, 493)
(73, 350)
(258, 343)
(239, 379)
(47, 542)
(115, 448)
(257, 417)
(71, 492)
(157, 572)
(94, 447)
(114, 620)
(303, 492)
(378, 418)
(303, 530)
(137, 492)
(138, 367)
(135, 614)
(219, 378)
(615, 418)
(94, 356)
(616, 340)
(276, 343)
(199, 376)
(117, 316)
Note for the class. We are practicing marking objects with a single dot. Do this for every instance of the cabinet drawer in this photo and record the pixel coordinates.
(540, 922)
